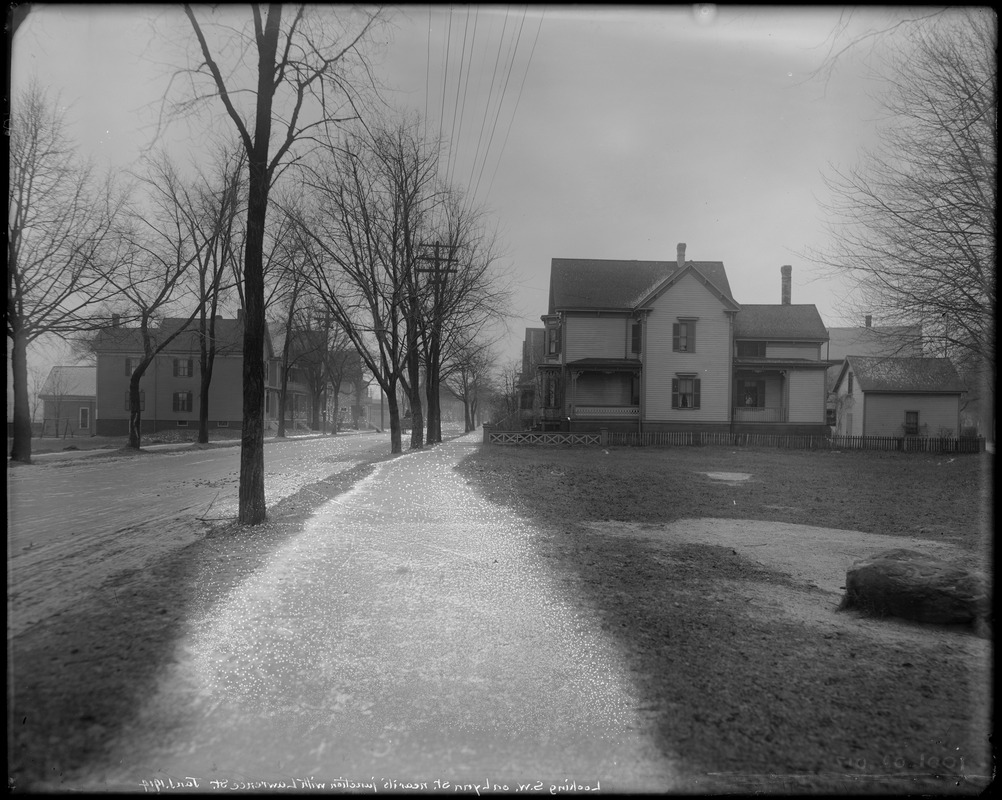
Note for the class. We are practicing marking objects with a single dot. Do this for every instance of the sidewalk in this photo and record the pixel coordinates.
(409, 634)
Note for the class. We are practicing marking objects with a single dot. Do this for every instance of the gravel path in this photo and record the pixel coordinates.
(408, 634)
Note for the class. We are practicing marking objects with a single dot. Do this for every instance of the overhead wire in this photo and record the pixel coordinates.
(511, 122)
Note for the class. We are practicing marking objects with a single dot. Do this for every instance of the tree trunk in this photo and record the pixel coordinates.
(20, 450)
(252, 509)
(206, 360)
(135, 412)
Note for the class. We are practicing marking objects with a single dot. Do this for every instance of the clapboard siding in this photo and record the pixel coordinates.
(807, 396)
(810, 352)
(710, 361)
(885, 414)
(604, 336)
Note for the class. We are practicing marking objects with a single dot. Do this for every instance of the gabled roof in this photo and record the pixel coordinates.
(604, 284)
(900, 341)
(795, 322)
(70, 382)
(913, 375)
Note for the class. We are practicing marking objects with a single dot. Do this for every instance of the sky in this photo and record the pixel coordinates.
(611, 132)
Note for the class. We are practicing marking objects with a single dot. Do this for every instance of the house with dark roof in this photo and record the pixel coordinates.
(170, 388)
(877, 396)
(650, 346)
(69, 400)
(889, 341)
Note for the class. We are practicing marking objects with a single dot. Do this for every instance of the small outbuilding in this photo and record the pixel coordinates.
(877, 396)
(69, 400)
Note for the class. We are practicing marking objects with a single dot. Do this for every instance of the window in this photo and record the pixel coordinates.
(911, 423)
(831, 417)
(551, 390)
(182, 401)
(84, 417)
(848, 388)
(685, 392)
(182, 423)
(683, 336)
(553, 341)
(223, 423)
(751, 349)
(184, 367)
(130, 365)
(635, 338)
(751, 394)
(142, 400)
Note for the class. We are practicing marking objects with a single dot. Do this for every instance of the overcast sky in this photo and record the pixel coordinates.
(590, 131)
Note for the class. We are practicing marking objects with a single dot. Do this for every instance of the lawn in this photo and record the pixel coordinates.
(747, 703)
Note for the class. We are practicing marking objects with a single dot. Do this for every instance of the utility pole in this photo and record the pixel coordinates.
(442, 263)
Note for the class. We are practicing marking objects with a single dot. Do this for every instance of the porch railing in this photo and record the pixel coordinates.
(759, 414)
(613, 412)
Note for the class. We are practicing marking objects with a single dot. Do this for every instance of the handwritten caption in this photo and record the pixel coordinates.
(374, 785)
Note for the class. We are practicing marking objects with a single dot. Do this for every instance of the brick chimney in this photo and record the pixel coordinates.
(786, 270)
(116, 320)
(681, 255)
(869, 320)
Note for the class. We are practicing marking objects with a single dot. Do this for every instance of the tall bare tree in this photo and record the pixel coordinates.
(154, 275)
(303, 80)
(466, 295)
(59, 223)
(913, 226)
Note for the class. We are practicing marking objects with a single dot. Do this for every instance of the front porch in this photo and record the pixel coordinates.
(592, 393)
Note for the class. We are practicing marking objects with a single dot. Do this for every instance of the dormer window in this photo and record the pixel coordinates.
(683, 336)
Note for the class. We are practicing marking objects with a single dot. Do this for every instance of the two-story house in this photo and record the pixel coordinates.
(170, 387)
(651, 346)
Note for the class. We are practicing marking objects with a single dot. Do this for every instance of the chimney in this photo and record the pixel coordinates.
(681, 255)
(786, 271)
(116, 320)
(869, 320)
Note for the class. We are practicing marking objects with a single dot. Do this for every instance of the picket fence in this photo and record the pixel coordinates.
(906, 444)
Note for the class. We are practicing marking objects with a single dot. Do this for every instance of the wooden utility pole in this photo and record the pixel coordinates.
(442, 263)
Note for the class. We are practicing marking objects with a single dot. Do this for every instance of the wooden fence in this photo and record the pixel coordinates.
(603, 438)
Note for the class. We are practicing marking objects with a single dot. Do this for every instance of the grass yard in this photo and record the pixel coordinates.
(753, 703)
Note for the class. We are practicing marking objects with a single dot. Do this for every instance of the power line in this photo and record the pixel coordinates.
(517, 99)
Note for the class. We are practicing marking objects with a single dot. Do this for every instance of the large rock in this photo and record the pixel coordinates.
(915, 586)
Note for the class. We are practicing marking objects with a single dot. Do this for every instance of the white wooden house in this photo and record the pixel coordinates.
(664, 346)
(897, 397)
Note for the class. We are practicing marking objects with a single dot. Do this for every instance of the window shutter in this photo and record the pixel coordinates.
(674, 391)
(635, 338)
(191, 367)
(674, 344)
(690, 343)
(695, 393)
(176, 370)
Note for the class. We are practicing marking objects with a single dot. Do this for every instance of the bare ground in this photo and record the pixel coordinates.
(724, 594)
(751, 680)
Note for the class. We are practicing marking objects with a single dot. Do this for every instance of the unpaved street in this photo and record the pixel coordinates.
(408, 634)
(72, 521)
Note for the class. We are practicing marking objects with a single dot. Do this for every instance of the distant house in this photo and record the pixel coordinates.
(653, 346)
(169, 389)
(69, 401)
(532, 357)
(898, 397)
(891, 341)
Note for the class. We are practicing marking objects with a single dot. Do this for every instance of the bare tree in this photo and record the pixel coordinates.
(154, 275)
(58, 231)
(468, 378)
(463, 299)
(304, 82)
(360, 265)
(913, 226)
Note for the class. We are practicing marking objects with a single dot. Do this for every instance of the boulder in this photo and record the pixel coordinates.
(915, 586)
